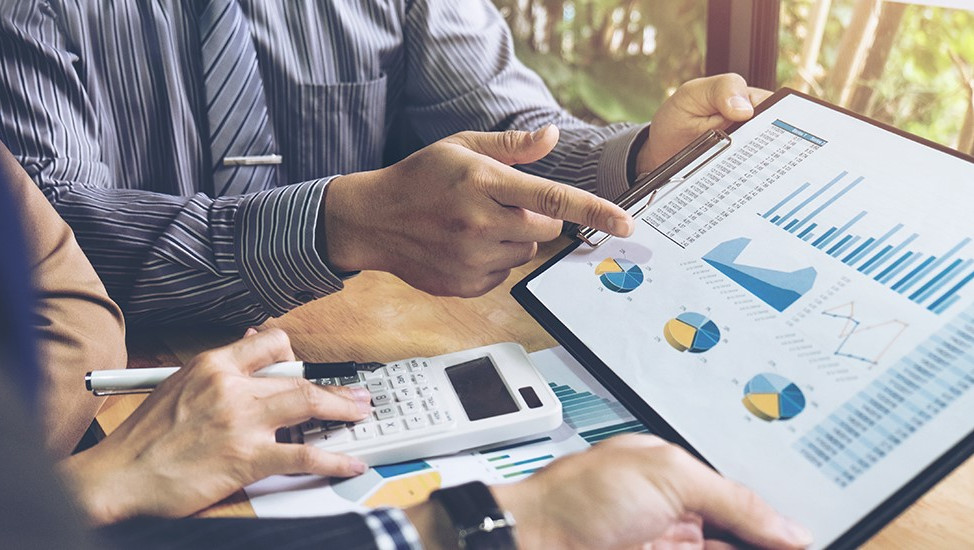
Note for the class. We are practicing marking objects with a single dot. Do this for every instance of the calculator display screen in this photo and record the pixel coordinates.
(481, 390)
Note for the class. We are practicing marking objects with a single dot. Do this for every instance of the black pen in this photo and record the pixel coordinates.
(114, 382)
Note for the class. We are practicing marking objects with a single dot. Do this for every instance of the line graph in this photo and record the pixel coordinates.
(864, 341)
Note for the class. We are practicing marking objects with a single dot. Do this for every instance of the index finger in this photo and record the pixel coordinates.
(257, 351)
(560, 201)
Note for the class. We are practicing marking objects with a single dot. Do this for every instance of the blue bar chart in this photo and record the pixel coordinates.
(932, 279)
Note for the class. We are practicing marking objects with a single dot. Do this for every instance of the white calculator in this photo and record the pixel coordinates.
(428, 406)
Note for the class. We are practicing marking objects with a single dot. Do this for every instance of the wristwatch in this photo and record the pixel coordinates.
(479, 521)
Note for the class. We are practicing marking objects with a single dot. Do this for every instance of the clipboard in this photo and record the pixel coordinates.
(697, 154)
(676, 171)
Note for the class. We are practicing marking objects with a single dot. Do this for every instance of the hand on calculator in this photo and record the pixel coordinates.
(438, 405)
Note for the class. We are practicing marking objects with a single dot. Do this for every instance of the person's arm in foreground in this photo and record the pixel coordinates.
(79, 328)
(209, 430)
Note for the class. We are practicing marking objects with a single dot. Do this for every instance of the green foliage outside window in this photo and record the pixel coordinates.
(614, 60)
(610, 60)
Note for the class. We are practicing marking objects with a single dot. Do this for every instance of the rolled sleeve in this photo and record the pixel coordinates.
(275, 246)
(618, 156)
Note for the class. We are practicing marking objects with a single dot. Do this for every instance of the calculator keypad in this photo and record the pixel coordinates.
(404, 400)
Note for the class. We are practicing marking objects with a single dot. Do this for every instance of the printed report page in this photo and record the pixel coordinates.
(801, 310)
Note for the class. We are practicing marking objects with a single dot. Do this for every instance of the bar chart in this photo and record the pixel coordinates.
(931, 278)
(581, 410)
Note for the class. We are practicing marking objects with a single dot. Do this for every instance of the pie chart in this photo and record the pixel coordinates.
(691, 332)
(619, 274)
(769, 397)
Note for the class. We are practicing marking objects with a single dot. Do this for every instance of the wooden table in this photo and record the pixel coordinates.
(380, 318)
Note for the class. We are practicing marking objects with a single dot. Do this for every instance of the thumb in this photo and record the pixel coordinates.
(730, 94)
(512, 146)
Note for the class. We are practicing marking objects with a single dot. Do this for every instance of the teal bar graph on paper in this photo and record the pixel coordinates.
(785, 200)
(841, 249)
(832, 200)
(949, 297)
(835, 249)
(875, 259)
(884, 256)
(584, 409)
(893, 267)
(940, 280)
(899, 269)
(807, 201)
(820, 242)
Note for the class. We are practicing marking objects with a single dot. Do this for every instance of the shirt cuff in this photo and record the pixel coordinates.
(392, 530)
(613, 178)
(275, 246)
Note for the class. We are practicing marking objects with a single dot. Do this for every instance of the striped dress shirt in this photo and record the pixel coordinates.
(104, 105)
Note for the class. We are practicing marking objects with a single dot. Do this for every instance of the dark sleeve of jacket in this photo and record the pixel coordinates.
(345, 532)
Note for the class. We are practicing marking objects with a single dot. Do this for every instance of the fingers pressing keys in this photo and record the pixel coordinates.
(403, 396)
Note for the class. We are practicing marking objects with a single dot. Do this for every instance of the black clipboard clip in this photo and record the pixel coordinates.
(674, 171)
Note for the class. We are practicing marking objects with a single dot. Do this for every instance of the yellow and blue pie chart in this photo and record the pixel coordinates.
(771, 397)
(692, 332)
(619, 275)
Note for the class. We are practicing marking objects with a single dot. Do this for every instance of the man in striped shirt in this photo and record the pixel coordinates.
(190, 146)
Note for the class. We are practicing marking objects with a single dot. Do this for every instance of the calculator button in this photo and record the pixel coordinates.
(415, 365)
(415, 422)
(338, 435)
(381, 398)
(365, 430)
(370, 374)
(405, 394)
(396, 368)
(429, 403)
(399, 381)
(376, 385)
(346, 380)
(437, 417)
(423, 391)
(387, 411)
(420, 379)
(390, 426)
(409, 407)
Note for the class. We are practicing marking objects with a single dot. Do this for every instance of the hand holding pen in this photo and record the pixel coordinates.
(212, 426)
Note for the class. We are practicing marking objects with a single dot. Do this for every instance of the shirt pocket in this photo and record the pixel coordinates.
(339, 128)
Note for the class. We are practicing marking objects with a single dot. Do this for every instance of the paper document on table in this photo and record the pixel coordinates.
(801, 311)
(590, 414)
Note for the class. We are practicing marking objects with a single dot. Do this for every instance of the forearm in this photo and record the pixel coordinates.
(194, 260)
